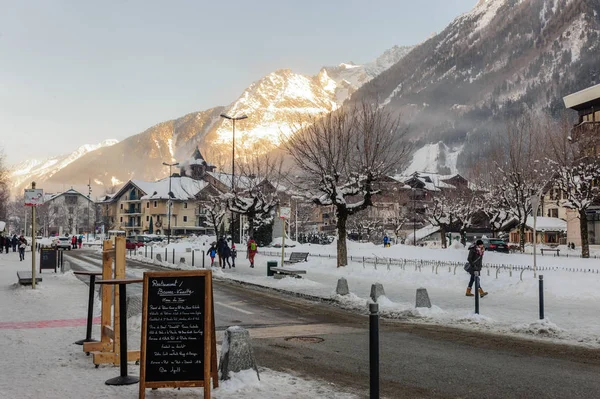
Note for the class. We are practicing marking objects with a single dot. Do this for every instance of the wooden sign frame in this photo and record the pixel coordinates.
(210, 343)
(48, 250)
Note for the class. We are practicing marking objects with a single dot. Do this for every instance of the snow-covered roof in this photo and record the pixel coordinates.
(2, 225)
(582, 97)
(240, 181)
(183, 188)
(543, 223)
(423, 232)
(52, 196)
(431, 181)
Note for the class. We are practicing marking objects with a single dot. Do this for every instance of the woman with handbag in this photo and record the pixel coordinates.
(475, 261)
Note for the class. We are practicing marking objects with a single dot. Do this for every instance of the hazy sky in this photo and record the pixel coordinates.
(81, 71)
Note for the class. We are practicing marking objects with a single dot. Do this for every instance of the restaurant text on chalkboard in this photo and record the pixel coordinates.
(178, 338)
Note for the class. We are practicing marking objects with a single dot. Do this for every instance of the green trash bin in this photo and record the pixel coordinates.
(271, 264)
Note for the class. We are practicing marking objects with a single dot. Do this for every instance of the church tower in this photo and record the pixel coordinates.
(196, 167)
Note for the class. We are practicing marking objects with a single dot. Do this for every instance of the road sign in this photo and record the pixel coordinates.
(285, 212)
(34, 197)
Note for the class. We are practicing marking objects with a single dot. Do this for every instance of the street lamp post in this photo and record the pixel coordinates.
(414, 191)
(233, 119)
(170, 195)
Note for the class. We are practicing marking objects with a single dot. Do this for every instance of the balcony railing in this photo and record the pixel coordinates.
(585, 128)
(132, 211)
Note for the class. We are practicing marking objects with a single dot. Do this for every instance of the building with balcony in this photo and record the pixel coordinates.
(66, 213)
(586, 134)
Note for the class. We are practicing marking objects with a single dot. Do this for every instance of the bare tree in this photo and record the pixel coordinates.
(256, 194)
(215, 210)
(575, 174)
(520, 172)
(342, 155)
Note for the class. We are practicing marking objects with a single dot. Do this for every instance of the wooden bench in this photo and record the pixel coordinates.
(286, 271)
(555, 250)
(296, 257)
(25, 277)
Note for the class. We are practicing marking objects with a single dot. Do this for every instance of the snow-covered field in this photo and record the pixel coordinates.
(39, 360)
(571, 286)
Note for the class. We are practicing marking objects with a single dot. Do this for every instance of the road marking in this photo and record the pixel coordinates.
(234, 308)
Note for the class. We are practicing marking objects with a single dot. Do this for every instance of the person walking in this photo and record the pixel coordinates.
(226, 254)
(252, 250)
(212, 252)
(386, 241)
(475, 261)
(74, 242)
(7, 243)
(80, 241)
(15, 242)
(221, 244)
(22, 246)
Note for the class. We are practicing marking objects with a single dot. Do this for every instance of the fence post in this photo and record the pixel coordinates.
(166, 255)
(541, 297)
(203, 259)
(374, 349)
(192, 258)
(173, 255)
(151, 252)
(145, 251)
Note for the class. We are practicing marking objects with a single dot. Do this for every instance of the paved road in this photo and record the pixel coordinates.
(416, 361)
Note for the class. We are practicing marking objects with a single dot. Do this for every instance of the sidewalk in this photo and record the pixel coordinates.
(39, 360)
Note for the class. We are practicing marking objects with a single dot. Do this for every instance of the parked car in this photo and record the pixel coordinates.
(142, 239)
(62, 243)
(132, 244)
(494, 244)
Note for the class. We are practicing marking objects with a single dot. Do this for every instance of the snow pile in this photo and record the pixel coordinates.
(543, 328)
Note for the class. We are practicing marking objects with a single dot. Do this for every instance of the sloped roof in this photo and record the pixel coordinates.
(183, 188)
(543, 223)
(53, 196)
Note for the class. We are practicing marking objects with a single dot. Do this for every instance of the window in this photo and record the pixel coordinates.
(155, 204)
(147, 218)
(121, 219)
(148, 204)
(185, 218)
(121, 206)
(185, 205)
(553, 213)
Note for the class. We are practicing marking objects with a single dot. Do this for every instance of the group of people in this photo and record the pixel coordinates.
(14, 242)
(76, 241)
(224, 253)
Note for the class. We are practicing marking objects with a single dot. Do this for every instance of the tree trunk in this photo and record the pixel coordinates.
(463, 237)
(342, 251)
(443, 236)
(583, 228)
(522, 237)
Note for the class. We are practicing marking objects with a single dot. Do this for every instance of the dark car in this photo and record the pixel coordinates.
(132, 244)
(494, 244)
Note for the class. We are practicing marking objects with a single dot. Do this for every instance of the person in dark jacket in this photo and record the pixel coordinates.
(226, 254)
(1, 244)
(22, 246)
(7, 243)
(221, 244)
(15, 242)
(475, 260)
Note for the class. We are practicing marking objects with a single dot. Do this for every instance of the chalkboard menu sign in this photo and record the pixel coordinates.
(177, 331)
(47, 258)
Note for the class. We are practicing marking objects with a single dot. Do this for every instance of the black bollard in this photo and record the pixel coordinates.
(192, 258)
(374, 349)
(151, 252)
(203, 260)
(166, 255)
(173, 255)
(476, 292)
(541, 297)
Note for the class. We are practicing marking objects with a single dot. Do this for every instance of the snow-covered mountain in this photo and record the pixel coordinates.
(461, 85)
(270, 103)
(23, 173)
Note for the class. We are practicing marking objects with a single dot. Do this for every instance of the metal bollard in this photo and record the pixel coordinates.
(541, 297)
(193, 257)
(476, 292)
(166, 256)
(374, 349)
(173, 255)
(151, 252)
(203, 260)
